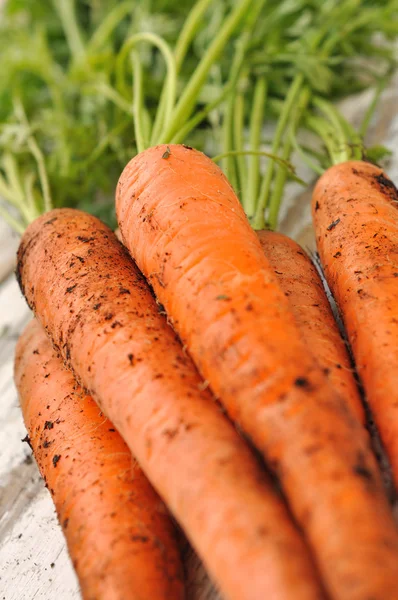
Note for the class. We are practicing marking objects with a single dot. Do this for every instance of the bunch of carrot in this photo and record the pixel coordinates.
(209, 353)
(265, 342)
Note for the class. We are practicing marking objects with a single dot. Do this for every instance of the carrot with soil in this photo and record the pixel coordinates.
(189, 235)
(120, 536)
(100, 313)
(303, 287)
(356, 222)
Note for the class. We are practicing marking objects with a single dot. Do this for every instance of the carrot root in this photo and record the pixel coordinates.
(120, 536)
(356, 222)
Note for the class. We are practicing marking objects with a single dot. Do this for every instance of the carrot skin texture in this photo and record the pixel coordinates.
(300, 282)
(359, 254)
(100, 313)
(189, 235)
(119, 534)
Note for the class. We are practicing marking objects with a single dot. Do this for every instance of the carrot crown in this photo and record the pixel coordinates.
(341, 141)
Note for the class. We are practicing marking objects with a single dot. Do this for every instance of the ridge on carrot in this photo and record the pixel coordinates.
(188, 233)
(120, 537)
(99, 311)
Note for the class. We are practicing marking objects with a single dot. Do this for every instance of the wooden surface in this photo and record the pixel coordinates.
(34, 564)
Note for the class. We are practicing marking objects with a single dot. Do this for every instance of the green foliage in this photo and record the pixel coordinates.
(84, 85)
(85, 137)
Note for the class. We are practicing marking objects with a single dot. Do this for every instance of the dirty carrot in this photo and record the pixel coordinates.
(356, 222)
(189, 235)
(300, 282)
(120, 537)
(100, 313)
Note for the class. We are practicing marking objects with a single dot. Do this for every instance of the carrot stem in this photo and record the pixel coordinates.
(198, 117)
(347, 144)
(138, 101)
(11, 170)
(283, 163)
(238, 135)
(328, 136)
(171, 77)
(41, 166)
(330, 113)
(112, 95)
(105, 142)
(67, 14)
(354, 139)
(38, 156)
(281, 176)
(304, 156)
(107, 26)
(30, 198)
(189, 31)
(187, 100)
(256, 124)
(185, 38)
(237, 62)
(258, 221)
(14, 192)
(229, 166)
(146, 124)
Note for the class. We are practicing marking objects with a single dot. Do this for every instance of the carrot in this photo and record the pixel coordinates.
(301, 283)
(99, 311)
(119, 535)
(189, 235)
(356, 223)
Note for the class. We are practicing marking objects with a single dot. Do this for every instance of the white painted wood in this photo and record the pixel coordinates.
(33, 553)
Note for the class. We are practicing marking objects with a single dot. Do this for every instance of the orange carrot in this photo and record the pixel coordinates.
(99, 311)
(119, 534)
(303, 287)
(356, 222)
(189, 235)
